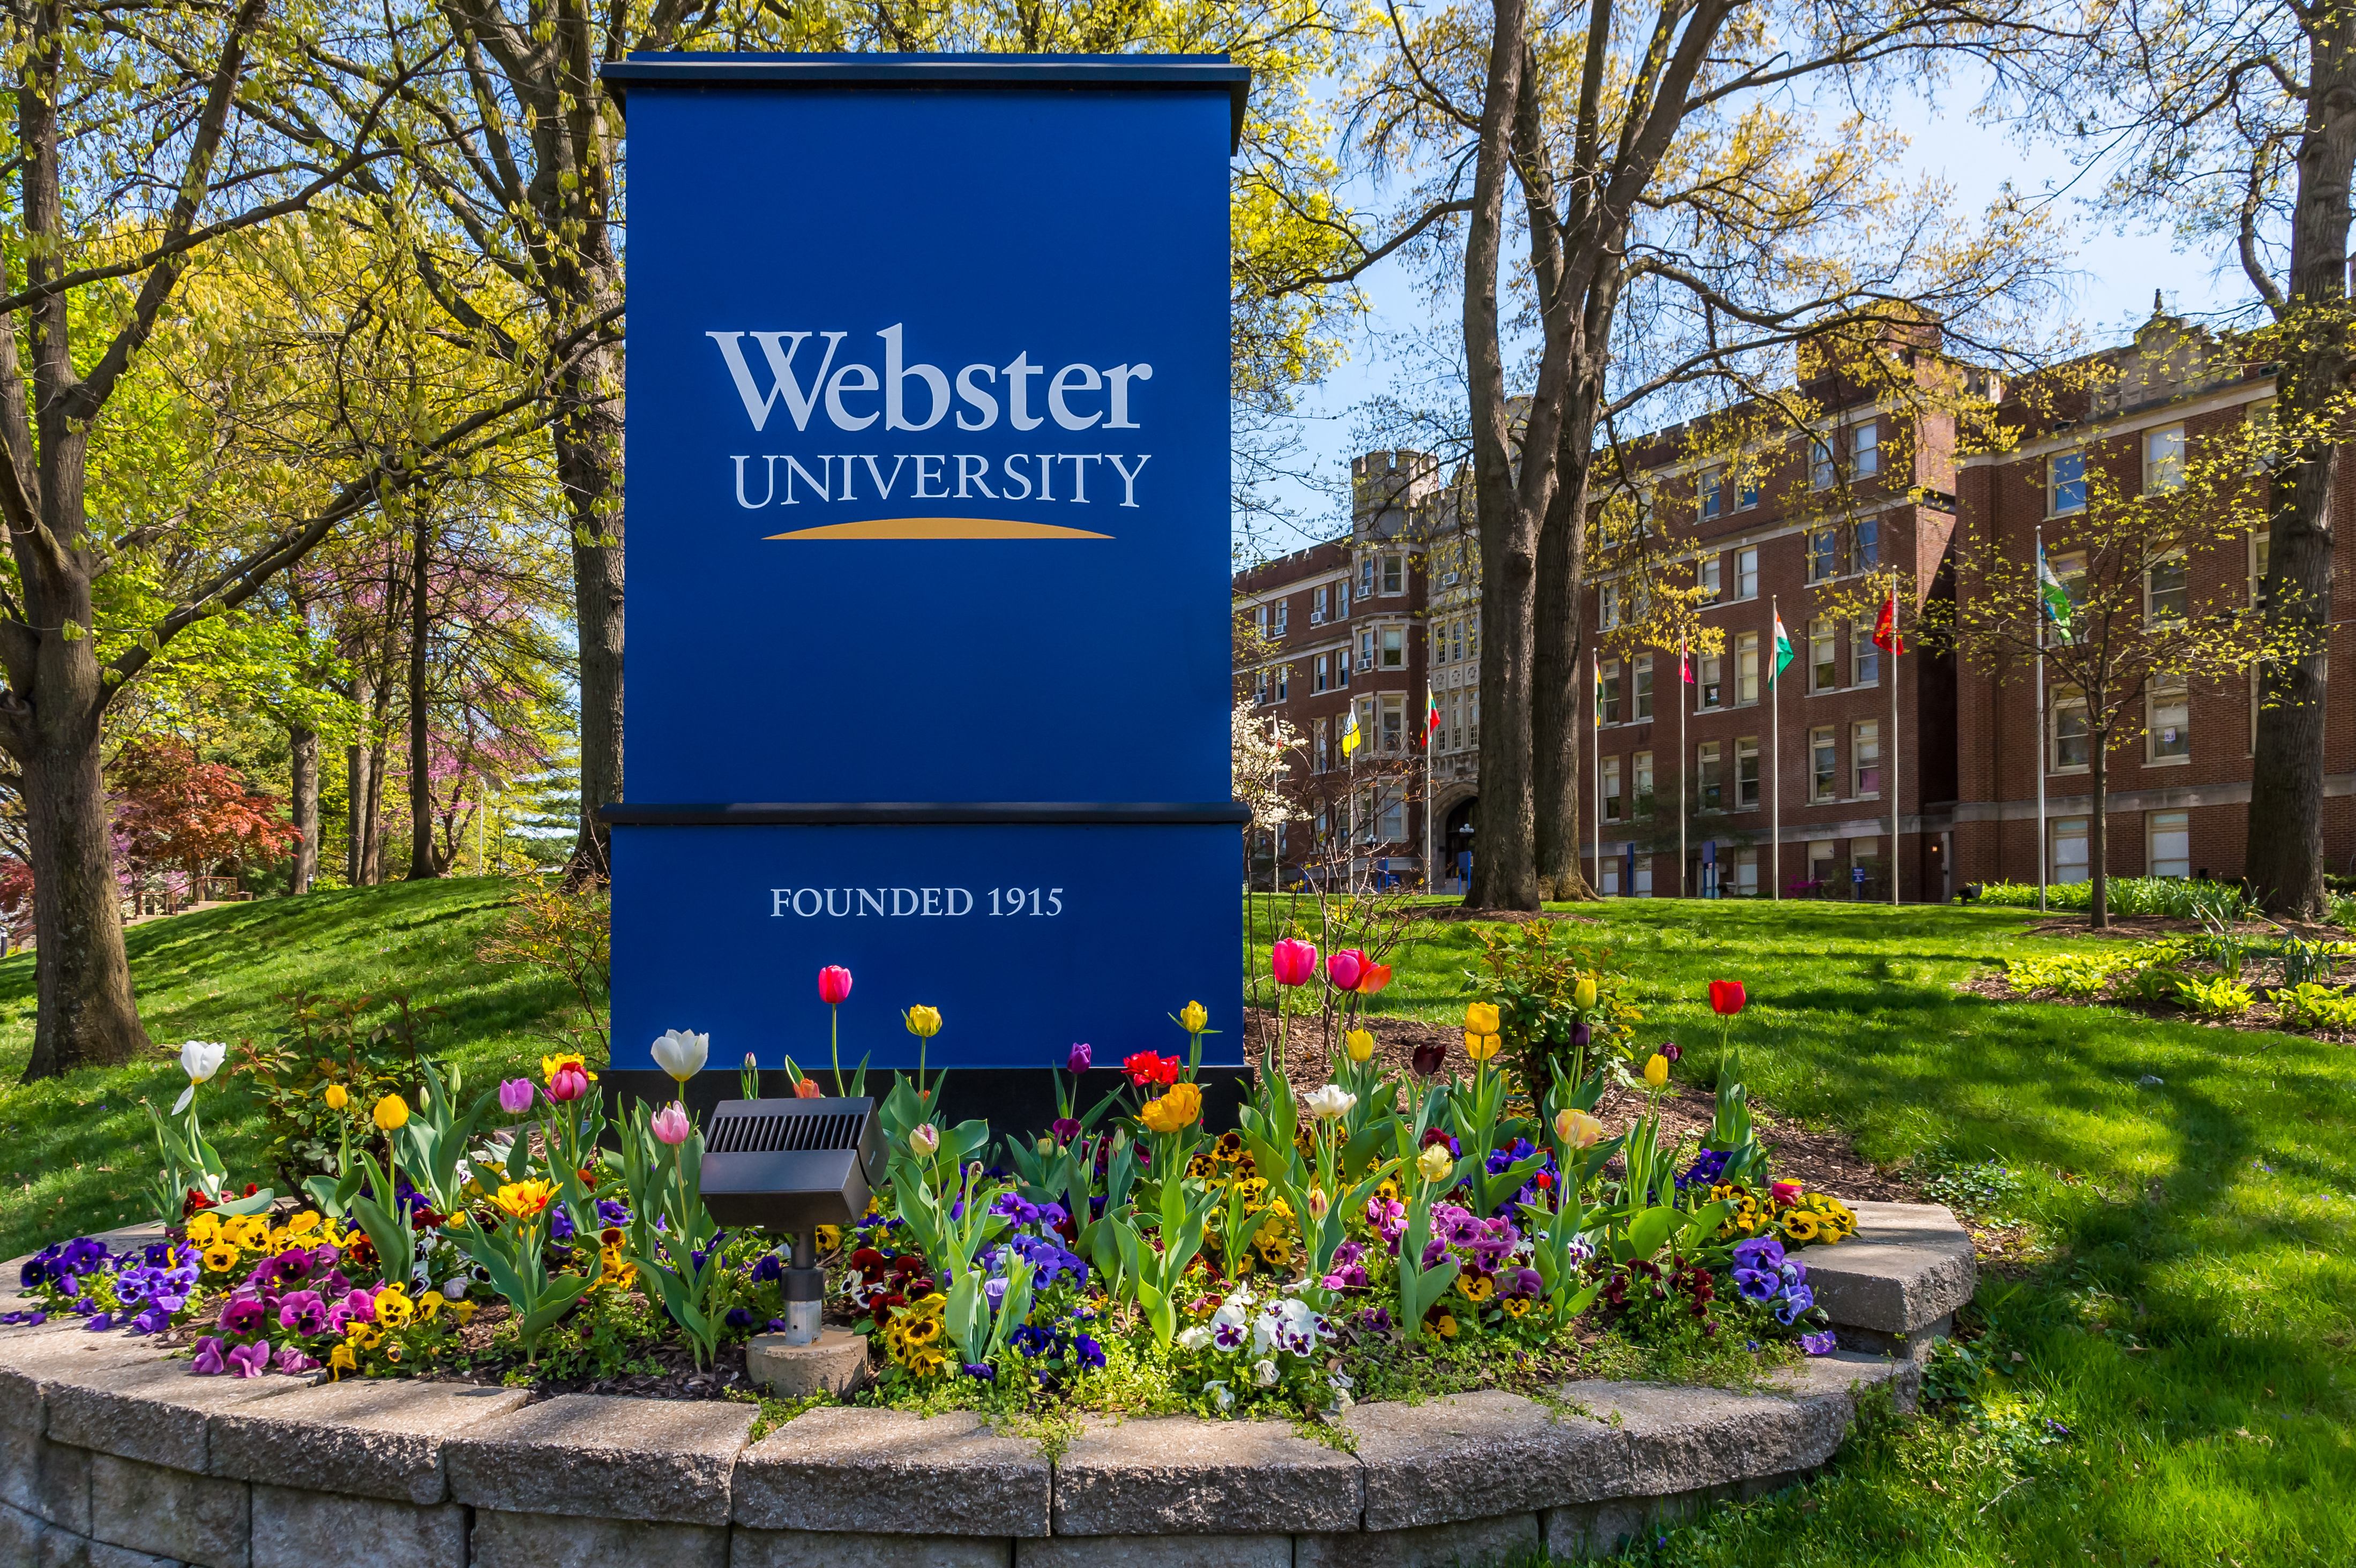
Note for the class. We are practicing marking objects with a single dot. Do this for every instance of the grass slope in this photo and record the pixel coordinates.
(75, 1152)
(2170, 1381)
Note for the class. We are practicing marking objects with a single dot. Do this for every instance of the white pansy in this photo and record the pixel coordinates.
(1195, 1338)
(1331, 1103)
(455, 1287)
(1221, 1395)
(681, 1053)
(1264, 1373)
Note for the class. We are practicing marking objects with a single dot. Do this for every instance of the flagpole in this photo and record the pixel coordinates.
(2040, 719)
(1775, 749)
(1595, 757)
(1897, 645)
(1681, 770)
(1432, 708)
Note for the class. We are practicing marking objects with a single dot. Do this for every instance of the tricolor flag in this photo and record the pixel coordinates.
(1783, 650)
(1350, 736)
(1430, 714)
(1885, 629)
(2058, 608)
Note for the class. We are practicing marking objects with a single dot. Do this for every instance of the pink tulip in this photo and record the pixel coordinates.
(515, 1095)
(833, 984)
(1293, 961)
(1347, 967)
(808, 1089)
(670, 1123)
(1784, 1193)
(570, 1083)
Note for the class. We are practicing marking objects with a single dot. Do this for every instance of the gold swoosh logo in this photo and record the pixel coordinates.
(939, 528)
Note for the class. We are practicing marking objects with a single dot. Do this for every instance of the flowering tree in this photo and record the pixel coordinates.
(174, 809)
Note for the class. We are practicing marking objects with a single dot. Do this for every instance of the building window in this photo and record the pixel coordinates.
(1611, 803)
(1705, 578)
(2163, 459)
(1746, 874)
(1708, 687)
(1641, 771)
(1643, 877)
(1319, 743)
(1608, 883)
(1746, 774)
(1341, 600)
(1713, 492)
(2166, 591)
(1366, 578)
(2065, 482)
(1746, 669)
(1472, 715)
(1823, 765)
(1820, 463)
(1864, 658)
(1712, 774)
(1865, 756)
(2069, 849)
(1824, 554)
(1393, 816)
(1394, 574)
(1607, 605)
(1342, 671)
(1868, 545)
(1260, 621)
(1824, 655)
(2168, 837)
(1824, 861)
(1393, 724)
(1394, 648)
(1865, 449)
(2167, 726)
(1317, 608)
(1319, 674)
(1366, 648)
(1260, 686)
(1283, 617)
(1748, 495)
(2260, 538)
(1611, 695)
(1643, 695)
(2071, 745)
(1283, 682)
(1746, 572)
(2070, 568)
(1472, 635)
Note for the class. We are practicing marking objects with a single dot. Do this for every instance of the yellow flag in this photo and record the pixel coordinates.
(1350, 736)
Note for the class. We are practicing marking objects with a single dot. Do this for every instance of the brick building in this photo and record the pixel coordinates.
(1789, 779)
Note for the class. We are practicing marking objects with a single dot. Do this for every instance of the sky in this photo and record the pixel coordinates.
(2109, 295)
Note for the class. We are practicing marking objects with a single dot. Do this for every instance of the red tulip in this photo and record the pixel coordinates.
(1346, 967)
(1376, 977)
(833, 984)
(1784, 1193)
(1293, 961)
(1145, 1068)
(568, 1085)
(1726, 997)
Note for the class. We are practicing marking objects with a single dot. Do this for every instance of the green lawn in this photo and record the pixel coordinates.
(75, 1152)
(2181, 1393)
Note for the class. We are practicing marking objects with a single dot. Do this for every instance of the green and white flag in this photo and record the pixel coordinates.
(2058, 608)
(1782, 649)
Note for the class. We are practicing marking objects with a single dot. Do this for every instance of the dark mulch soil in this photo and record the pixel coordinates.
(2263, 1017)
(1496, 916)
(1825, 1161)
(2146, 927)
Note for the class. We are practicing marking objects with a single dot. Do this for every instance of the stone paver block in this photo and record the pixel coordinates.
(45, 1479)
(598, 1457)
(841, 1468)
(168, 1512)
(549, 1541)
(377, 1438)
(1909, 1266)
(1155, 1551)
(153, 1411)
(101, 1555)
(1845, 1373)
(836, 1363)
(1683, 1439)
(1476, 1456)
(296, 1528)
(1510, 1538)
(750, 1548)
(1225, 1477)
(34, 1360)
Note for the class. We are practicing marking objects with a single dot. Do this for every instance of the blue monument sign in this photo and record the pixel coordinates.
(928, 629)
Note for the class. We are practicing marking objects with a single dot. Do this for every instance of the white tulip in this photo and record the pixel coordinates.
(681, 1053)
(1331, 1103)
(200, 1058)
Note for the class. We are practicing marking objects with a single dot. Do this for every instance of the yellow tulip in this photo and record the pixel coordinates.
(392, 1113)
(924, 1022)
(1656, 1071)
(1359, 1043)
(336, 1096)
(1436, 1163)
(1577, 1129)
(1173, 1110)
(1482, 1047)
(1193, 1017)
(1480, 1018)
(1584, 994)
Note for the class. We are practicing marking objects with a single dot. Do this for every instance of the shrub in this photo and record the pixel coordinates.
(2218, 999)
(2157, 984)
(2071, 974)
(2310, 1007)
(2172, 896)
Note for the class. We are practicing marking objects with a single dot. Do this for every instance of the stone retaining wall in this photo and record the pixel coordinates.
(111, 1456)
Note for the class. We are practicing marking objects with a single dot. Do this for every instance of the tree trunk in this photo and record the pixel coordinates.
(372, 840)
(421, 866)
(1504, 869)
(589, 463)
(1559, 695)
(356, 796)
(2283, 859)
(2098, 833)
(302, 747)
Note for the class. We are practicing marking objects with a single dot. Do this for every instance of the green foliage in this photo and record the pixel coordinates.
(2221, 997)
(2170, 898)
(350, 1042)
(2312, 1007)
(2071, 974)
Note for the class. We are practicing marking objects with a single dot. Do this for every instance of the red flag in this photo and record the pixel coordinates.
(1885, 629)
(1685, 665)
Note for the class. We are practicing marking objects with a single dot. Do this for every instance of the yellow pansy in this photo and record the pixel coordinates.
(220, 1257)
(429, 1305)
(205, 1227)
(341, 1360)
(393, 1310)
(464, 1311)
(1516, 1306)
(1476, 1286)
